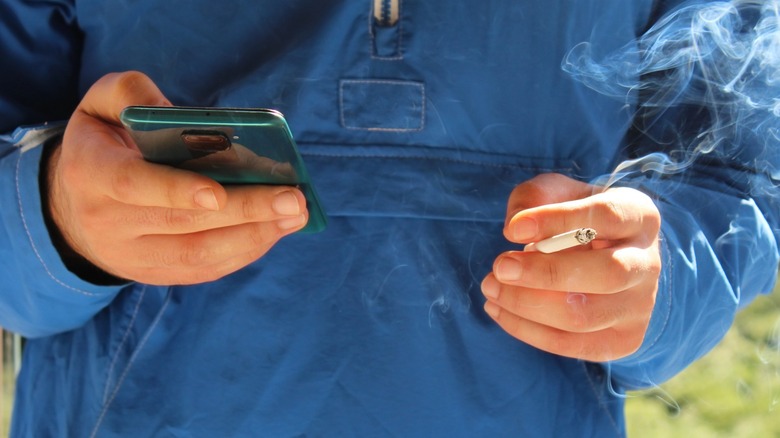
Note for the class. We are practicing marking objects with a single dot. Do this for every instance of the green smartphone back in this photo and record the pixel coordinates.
(229, 145)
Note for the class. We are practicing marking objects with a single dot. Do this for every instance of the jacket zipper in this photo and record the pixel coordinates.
(385, 28)
(386, 12)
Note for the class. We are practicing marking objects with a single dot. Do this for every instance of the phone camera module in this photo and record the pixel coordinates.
(202, 142)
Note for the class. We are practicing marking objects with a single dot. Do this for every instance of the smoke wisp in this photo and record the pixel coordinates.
(714, 65)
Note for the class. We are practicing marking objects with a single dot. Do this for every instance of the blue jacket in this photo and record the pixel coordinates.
(414, 134)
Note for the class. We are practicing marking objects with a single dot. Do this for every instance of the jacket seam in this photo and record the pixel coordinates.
(448, 160)
(121, 345)
(397, 83)
(30, 237)
(597, 393)
(422, 148)
(130, 364)
(670, 272)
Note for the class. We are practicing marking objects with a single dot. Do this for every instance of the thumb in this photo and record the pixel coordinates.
(115, 91)
(96, 147)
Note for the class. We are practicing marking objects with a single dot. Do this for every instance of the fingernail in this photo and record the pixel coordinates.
(524, 229)
(508, 269)
(492, 309)
(491, 287)
(206, 199)
(290, 223)
(286, 204)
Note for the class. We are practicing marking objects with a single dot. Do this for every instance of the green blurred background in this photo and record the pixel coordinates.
(734, 391)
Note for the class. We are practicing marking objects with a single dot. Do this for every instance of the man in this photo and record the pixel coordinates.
(158, 302)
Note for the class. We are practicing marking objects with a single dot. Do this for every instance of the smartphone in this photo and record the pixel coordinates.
(229, 145)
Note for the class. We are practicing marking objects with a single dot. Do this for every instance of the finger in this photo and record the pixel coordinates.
(97, 156)
(129, 179)
(603, 271)
(97, 164)
(571, 312)
(285, 206)
(203, 254)
(165, 276)
(616, 214)
(115, 91)
(541, 190)
(599, 346)
(106, 99)
(207, 247)
(549, 188)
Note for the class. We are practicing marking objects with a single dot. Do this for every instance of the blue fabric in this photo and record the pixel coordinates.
(374, 327)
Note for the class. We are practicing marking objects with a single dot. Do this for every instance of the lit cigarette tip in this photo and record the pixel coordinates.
(570, 239)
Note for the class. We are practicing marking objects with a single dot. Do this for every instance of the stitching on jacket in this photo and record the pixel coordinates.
(130, 363)
(597, 393)
(343, 119)
(126, 334)
(446, 160)
(423, 148)
(372, 40)
(666, 255)
(30, 238)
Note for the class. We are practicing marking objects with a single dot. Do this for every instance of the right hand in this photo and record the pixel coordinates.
(153, 223)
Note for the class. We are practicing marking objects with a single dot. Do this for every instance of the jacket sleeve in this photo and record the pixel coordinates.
(710, 157)
(39, 295)
(40, 52)
(719, 248)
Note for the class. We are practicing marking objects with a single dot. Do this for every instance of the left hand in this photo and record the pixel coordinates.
(592, 302)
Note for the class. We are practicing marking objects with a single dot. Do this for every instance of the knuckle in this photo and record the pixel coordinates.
(128, 81)
(194, 256)
(654, 267)
(590, 319)
(250, 209)
(260, 235)
(186, 255)
(629, 267)
(650, 269)
(177, 219)
(613, 213)
(162, 258)
(653, 221)
(552, 276)
(622, 273)
(122, 185)
(610, 316)
(90, 217)
(70, 172)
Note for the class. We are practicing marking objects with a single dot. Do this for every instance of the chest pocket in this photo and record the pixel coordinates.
(388, 105)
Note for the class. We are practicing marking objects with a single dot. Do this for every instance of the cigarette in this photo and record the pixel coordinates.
(570, 239)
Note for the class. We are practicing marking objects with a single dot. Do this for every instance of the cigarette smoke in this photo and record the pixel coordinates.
(705, 83)
(716, 64)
